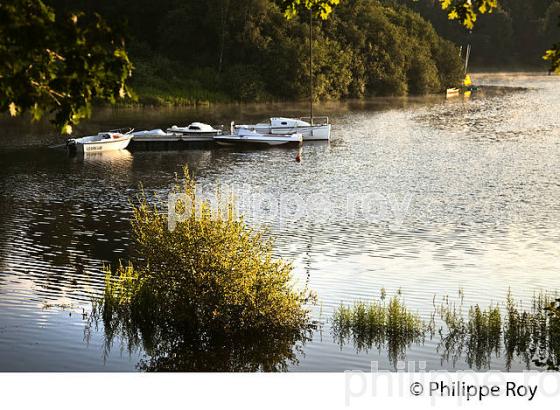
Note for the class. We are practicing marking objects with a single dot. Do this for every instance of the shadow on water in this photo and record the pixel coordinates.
(166, 346)
(196, 352)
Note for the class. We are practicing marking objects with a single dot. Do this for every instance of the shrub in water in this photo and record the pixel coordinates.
(210, 283)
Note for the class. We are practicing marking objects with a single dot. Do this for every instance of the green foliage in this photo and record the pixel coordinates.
(529, 334)
(58, 63)
(218, 50)
(209, 287)
(395, 51)
(244, 83)
(484, 331)
(467, 12)
(551, 29)
(161, 81)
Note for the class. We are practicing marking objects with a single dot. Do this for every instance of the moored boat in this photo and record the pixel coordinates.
(197, 131)
(102, 142)
(156, 135)
(247, 136)
(319, 130)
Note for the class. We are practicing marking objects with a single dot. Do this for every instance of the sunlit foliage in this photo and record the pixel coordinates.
(57, 64)
(553, 56)
(466, 11)
(320, 8)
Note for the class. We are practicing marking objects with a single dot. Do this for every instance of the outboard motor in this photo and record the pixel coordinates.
(71, 145)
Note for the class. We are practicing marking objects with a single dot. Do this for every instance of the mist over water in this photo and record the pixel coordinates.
(476, 180)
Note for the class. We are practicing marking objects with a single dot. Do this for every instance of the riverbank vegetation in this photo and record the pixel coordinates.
(220, 50)
(60, 56)
(206, 294)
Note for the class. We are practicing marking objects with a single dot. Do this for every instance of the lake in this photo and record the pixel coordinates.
(463, 206)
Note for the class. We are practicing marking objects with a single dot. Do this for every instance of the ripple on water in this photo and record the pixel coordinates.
(464, 196)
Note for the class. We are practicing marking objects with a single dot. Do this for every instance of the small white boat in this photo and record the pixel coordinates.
(319, 131)
(197, 131)
(246, 136)
(102, 142)
(157, 135)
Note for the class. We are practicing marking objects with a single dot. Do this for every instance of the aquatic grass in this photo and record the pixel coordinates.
(545, 326)
(380, 324)
(531, 334)
(517, 331)
(484, 330)
(452, 334)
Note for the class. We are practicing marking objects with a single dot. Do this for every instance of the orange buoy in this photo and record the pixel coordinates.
(298, 156)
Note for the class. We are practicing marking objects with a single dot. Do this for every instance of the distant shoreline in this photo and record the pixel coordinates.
(160, 99)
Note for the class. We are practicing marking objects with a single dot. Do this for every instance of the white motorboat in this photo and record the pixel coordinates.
(247, 136)
(319, 131)
(157, 135)
(102, 142)
(197, 131)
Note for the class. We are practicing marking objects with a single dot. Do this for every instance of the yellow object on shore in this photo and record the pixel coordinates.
(467, 81)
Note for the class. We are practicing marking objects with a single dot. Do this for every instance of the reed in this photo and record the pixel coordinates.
(381, 324)
(530, 334)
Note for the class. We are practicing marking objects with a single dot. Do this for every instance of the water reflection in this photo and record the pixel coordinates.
(120, 159)
(166, 348)
(222, 355)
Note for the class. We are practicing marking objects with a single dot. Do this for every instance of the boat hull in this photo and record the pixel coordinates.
(309, 133)
(168, 144)
(265, 140)
(195, 136)
(101, 146)
(169, 140)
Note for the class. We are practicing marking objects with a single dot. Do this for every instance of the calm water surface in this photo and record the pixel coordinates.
(467, 198)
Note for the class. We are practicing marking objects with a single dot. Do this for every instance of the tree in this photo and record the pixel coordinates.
(465, 11)
(58, 64)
